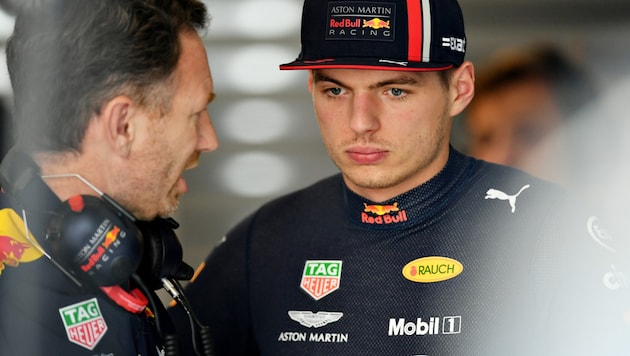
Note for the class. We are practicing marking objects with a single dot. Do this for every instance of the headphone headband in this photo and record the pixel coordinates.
(92, 239)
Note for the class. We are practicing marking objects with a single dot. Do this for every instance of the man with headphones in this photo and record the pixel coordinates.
(110, 101)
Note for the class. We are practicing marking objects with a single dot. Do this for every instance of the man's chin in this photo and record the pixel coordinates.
(162, 212)
(170, 210)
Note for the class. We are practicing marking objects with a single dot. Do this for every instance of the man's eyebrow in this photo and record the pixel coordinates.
(319, 77)
(400, 80)
(403, 80)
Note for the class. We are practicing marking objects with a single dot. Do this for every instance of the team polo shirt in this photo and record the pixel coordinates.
(481, 259)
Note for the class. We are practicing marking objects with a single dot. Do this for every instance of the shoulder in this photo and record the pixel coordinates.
(312, 198)
(491, 188)
(316, 199)
(507, 177)
(482, 178)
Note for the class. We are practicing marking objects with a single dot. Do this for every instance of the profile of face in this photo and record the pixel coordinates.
(387, 131)
(509, 124)
(170, 143)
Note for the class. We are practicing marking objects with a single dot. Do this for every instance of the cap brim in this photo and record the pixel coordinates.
(365, 63)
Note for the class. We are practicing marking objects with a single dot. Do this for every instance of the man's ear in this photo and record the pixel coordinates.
(462, 87)
(120, 129)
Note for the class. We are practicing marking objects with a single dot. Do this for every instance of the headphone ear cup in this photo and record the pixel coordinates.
(94, 241)
(150, 268)
(163, 257)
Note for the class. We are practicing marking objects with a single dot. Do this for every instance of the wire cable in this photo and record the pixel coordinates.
(198, 329)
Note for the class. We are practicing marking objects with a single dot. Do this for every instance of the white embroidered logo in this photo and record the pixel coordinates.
(497, 194)
(314, 320)
(599, 233)
(614, 279)
(404, 64)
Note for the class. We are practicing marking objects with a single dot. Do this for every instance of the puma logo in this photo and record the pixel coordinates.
(497, 194)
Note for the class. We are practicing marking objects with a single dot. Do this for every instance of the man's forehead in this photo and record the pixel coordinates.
(370, 75)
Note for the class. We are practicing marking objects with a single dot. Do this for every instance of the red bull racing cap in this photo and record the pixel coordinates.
(412, 35)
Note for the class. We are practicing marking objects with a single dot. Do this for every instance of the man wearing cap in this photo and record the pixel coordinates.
(414, 248)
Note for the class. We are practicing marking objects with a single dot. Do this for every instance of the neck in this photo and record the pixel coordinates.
(57, 170)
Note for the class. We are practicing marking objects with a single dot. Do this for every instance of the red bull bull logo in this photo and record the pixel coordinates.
(110, 239)
(383, 214)
(376, 23)
(14, 246)
(11, 252)
(380, 210)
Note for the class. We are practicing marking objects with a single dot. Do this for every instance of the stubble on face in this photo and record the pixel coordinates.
(411, 156)
(170, 140)
(151, 172)
(424, 149)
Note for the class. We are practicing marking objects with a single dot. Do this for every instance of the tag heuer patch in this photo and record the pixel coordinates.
(84, 323)
(321, 278)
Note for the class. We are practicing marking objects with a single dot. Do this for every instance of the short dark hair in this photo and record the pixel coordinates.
(66, 58)
(445, 76)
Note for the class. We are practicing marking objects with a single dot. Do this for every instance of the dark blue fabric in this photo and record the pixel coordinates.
(531, 282)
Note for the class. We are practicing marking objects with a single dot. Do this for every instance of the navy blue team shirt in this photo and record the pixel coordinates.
(480, 260)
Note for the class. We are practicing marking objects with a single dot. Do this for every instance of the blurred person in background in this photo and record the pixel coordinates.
(523, 96)
(538, 109)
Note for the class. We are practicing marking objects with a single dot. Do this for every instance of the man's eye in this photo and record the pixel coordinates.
(397, 92)
(335, 91)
